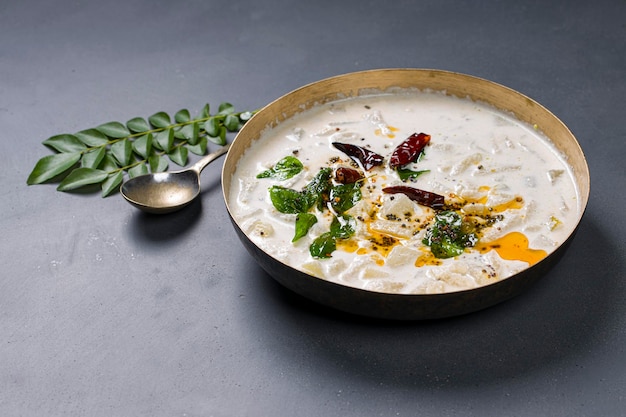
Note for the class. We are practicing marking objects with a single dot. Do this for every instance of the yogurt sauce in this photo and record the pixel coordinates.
(487, 162)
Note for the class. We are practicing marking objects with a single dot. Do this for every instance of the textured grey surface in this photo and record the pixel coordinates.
(107, 312)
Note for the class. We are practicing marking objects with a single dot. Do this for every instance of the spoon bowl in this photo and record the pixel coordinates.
(165, 192)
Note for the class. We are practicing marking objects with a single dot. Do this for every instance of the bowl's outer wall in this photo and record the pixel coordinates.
(403, 306)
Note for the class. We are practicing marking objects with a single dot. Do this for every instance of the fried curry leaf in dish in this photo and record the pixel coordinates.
(408, 174)
(449, 235)
(342, 227)
(284, 169)
(315, 193)
(323, 246)
(344, 196)
(304, 221)
(289, 201)
(322, 194)
(318, 189)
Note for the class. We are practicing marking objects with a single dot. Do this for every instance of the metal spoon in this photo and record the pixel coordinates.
(165, 192)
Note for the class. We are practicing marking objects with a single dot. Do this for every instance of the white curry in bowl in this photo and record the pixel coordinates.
(406, 189)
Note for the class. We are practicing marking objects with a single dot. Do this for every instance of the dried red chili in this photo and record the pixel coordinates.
(425, 198)
(409, 150)
(367, 158)
(345, 175)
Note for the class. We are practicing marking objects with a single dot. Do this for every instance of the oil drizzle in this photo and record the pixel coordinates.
(515, 204)
(427, 258)
(513, 247)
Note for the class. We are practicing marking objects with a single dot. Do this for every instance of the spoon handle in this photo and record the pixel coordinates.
(199, 166)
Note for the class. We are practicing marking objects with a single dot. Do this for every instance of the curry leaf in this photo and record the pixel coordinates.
(138, 125)
(108, 163)
(449, 235)
(286, 200)
(134, 147)
(225, 108)
(323, 246)
(231, 122)
(112, 183)
(143, 145)
(92, 137)
(318, 189)
(185, 132)
(304, 221)
(220, 139)
(114, 130)
(343, 226)
(212, 127)
(195, 134)
(344, 196)
(65, 143)
(406, 174)
(179, 155)
(138, 170)
(165, 140)
(200, 147)
(81, 177)
(204, 113)
(50, 166)
(157, 163)
(122, 151)
(159, 119)
(286, 168)
(182, 116)
(93, 158)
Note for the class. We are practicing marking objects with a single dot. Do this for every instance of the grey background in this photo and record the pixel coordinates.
(107, 312)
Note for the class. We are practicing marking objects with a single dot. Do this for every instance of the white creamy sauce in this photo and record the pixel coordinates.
(478, 155)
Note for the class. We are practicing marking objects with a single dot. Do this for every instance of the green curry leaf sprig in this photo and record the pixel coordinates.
(101, 155)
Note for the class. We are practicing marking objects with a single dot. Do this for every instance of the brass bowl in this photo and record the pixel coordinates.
(406, 306)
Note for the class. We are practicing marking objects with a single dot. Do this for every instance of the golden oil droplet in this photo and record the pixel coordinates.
(513, 247)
